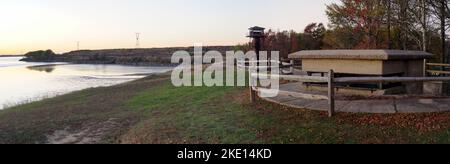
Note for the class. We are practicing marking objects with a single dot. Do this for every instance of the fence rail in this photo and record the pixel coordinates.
(442, 70)
(268, 64)
(388, 79)
(434, 72)
(305, 79)
(438, 64)
(332, 81)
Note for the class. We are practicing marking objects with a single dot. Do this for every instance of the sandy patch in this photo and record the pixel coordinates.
(89, 134)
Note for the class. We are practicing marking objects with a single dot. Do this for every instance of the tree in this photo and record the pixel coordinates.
(389, 22)
(393, 24)
(287, 42)
(41, 55)
(362, 17)
(313, 36)
(424, 22)
(440, 10)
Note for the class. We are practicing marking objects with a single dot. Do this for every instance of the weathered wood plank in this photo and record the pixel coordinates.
(292, 63)
(252, 91)
(309, 79)
(260, 61)
(438, 72)
(331, 98)
(294, 94)
(425, 68)
(265, 67)
(388, 79)
(438, 64)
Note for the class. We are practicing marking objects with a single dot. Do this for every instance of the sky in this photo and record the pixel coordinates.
(28, 25)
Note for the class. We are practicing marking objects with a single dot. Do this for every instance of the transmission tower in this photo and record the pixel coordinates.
(138, 40)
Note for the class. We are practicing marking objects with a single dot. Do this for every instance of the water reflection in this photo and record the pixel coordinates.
(24, 82)
(43, 68)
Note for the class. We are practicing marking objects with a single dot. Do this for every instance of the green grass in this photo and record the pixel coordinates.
(193, 114)
(151, 110)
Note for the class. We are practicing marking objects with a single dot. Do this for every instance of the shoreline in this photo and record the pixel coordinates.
(150, 64)
(135, 57)
(54, 95)
(12, 56)
(99, 63)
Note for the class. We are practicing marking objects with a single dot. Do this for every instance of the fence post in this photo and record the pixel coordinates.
(252, 92)
(425, 68)
(331, 109)
(292, 66)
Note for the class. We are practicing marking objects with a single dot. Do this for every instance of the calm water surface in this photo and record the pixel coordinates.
(22, 82)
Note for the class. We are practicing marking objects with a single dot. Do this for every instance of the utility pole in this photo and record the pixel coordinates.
(138, 40)
(78, 45)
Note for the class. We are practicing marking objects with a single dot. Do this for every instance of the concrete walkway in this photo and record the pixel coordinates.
(391, 104)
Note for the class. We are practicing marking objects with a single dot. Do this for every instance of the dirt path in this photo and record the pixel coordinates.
(92, 133)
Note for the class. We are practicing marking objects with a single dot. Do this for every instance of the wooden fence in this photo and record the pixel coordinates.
(332, 81)
(430, 69)
(267, 65)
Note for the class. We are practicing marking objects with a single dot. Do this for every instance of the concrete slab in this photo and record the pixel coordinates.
(381, 104)
(416, 106)
(443, 104)
(370, 106)
(319, 105)
(283, 98)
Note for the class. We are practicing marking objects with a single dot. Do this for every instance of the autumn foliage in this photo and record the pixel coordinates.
(370, 24)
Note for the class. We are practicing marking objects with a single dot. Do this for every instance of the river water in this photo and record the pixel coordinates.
(22, 82)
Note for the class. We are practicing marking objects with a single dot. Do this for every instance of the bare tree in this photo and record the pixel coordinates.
(441, 12)
(389, 22)
(424, 24)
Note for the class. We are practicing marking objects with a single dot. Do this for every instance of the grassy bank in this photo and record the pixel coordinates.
(151, 110)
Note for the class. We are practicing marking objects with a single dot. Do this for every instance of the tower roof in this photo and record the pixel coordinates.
(257, 28)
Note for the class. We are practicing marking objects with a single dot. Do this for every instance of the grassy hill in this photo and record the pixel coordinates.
(150, 56)
(151, 110)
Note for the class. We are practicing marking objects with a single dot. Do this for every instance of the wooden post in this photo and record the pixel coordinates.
(292, 67)
(252, 95)
(331, 110)
(252, 92)
(380, 84)
(425, 68)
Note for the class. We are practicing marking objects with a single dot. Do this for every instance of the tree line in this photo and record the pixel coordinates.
(372, 24)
